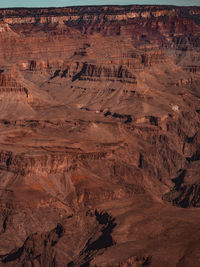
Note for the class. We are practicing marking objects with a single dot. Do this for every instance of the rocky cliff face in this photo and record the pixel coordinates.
(99, 140)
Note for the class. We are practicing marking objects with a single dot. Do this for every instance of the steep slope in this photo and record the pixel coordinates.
(99, 140)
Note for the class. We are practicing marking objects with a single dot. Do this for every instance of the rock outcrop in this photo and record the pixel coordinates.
(99, 140)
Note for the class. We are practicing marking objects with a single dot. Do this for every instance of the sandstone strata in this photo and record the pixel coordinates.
(99, 140)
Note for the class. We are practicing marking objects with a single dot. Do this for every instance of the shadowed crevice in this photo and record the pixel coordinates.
(79, 74)
(94, 245)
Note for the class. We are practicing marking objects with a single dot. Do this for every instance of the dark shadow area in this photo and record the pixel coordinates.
(194, 157)
(56, 73)
(105, 240)
(178, 181)
(13, 256)
(64, 74)
(79, 74)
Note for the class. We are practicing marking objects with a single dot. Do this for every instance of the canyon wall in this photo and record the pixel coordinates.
(99, 140)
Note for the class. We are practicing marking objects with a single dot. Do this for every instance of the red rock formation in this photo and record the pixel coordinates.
(99, 140)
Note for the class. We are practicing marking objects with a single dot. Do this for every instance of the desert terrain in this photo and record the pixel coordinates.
(99, 136)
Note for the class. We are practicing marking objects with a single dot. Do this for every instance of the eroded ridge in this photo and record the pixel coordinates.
(99, 136)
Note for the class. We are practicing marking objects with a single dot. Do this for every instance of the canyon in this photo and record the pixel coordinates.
(100, 140)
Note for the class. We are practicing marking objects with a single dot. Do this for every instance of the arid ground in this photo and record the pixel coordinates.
(99, 136)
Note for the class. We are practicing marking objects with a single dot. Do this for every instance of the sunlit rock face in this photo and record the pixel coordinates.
(99, 140)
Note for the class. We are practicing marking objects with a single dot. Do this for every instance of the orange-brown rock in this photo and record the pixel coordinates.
(99, 140)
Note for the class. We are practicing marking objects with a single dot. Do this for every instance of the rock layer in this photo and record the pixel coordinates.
(99, 141)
